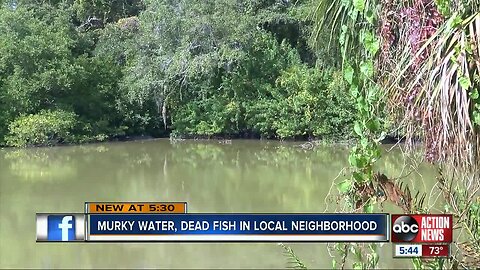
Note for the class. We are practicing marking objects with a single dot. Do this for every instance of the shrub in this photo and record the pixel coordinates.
(305, 102)
(41, 129)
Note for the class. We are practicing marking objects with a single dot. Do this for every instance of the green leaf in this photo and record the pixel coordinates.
(464, 82)
(358, 176)
(359, 5)
(361, 104)
(348, 73)
(357, 265)
(371, 43)
(474, 94)
(364, 142)
(444, 7)
(370, 16)
(376, 153)
(367, 68)
(354, 90)
(476, 118)
(344, 186)
(454, 21)
(373, 125)
(372, 94)
(352, 159)
(361, 161)
(374, 47)
(358, 129)
(368, 208)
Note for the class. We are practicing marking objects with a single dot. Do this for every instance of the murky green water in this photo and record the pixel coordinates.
(246, 176)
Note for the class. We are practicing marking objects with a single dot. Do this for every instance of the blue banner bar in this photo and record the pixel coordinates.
(238, 227)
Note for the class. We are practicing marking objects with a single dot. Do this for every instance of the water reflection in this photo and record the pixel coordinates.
(246, 176)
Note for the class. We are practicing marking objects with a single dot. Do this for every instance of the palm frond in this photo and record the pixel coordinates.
(439, 92)
(341, 19)
(326, 14)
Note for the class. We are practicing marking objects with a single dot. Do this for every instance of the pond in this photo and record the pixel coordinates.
(246, 176)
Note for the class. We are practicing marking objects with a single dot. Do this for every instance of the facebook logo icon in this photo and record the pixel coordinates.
(60, 227)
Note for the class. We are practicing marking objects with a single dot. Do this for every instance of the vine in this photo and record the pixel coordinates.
(429, 73)
(359, 72)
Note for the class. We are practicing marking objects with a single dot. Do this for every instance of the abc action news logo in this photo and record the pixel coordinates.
(422, 228)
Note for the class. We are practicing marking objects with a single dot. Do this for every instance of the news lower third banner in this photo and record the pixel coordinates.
(238, 227)
(181, 227)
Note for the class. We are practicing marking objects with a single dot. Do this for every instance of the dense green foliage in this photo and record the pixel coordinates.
(44, 128)
(46, 64)
(223, 67)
